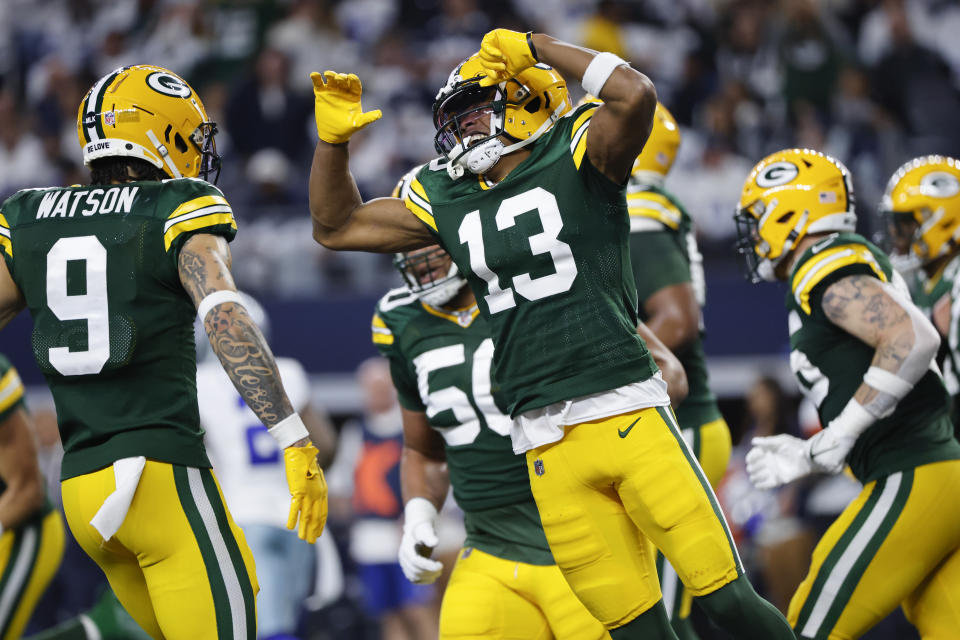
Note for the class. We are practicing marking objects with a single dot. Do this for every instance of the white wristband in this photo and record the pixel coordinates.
(418, 510)
(853, 420)
(288, 430)
(215, 298)
(599, 70)
(887, 382)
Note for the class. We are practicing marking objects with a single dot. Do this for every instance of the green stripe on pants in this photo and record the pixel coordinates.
(221, 604)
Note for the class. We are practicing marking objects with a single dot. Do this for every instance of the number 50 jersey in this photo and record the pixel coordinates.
(113, 326)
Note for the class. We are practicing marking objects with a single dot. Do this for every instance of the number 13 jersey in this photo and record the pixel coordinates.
(546, 252)
(113, 326)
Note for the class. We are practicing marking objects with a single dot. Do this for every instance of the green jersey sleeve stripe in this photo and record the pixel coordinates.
(217, 208)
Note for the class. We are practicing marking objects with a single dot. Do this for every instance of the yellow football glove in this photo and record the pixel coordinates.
(503, 54)
(308, 491)
(337, 106)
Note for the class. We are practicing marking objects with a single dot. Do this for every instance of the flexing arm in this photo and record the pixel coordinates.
(204, 265)
(341, 219)
(11, 300)
(670, 367)
(424, 484)
(621, 125)
(674, 315)
(19, 470)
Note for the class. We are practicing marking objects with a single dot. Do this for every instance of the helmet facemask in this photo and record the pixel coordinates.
(476, 152)
(427, 277)
(210, 161)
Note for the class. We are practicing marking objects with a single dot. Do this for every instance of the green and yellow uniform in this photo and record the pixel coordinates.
(663, 251)
(113, 335)
(906, 462)
(30, 552)
(505, 583)
(546, 252)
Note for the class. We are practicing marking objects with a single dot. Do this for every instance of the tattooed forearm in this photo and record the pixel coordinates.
(247, 359)
(204, 265)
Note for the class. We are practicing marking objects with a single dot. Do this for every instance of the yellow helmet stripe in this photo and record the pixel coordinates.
(825, 263)
(192, 224)
(11, 390)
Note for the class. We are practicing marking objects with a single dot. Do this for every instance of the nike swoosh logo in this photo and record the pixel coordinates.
(623, 434)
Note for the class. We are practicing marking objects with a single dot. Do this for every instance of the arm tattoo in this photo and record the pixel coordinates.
(236, 339)
(246, 358)
(860, 306)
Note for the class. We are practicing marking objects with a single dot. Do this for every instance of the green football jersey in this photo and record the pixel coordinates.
(830, 364)
(112, 325)
(546, 252)
(11, 399)
(663, 251)
(440, 363)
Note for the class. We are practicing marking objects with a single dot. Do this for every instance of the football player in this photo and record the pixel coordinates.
(31, 531)
(505, 583)
(528, 200)
(113, 274)
(863, 354)
(671, 287)
(921, 205)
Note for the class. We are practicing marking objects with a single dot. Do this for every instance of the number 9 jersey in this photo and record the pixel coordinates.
(113, 326)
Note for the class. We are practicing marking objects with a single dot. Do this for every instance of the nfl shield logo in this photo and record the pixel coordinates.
(538, 467)
(109, 119)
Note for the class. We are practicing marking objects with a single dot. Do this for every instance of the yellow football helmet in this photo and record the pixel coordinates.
(923, 199)
(659, 153)
(522, 109)
(149, 113)
(788, 195)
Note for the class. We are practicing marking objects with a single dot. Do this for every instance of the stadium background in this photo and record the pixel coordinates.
(872, 82)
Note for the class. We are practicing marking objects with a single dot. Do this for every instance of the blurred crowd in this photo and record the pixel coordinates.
(872, 82)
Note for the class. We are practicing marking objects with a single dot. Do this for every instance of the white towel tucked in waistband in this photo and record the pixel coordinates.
(112, 512)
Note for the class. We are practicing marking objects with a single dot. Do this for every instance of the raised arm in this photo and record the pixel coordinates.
(620, 126)
(341, 219)
(204, 265)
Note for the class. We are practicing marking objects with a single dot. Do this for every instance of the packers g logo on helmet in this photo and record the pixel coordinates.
(522, 109)
(149, 113)
(787, 196)
(168, 84)
(922, 199)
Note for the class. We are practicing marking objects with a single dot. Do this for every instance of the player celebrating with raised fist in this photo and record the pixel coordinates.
(113, 274)
(528, 200)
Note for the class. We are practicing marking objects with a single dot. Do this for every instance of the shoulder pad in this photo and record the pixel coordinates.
(828, 257)
(652, 211)
(391, 315)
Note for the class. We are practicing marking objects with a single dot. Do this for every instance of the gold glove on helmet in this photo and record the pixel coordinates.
(522, 108)
(788, 195)
(922, 203)
(149, 113)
